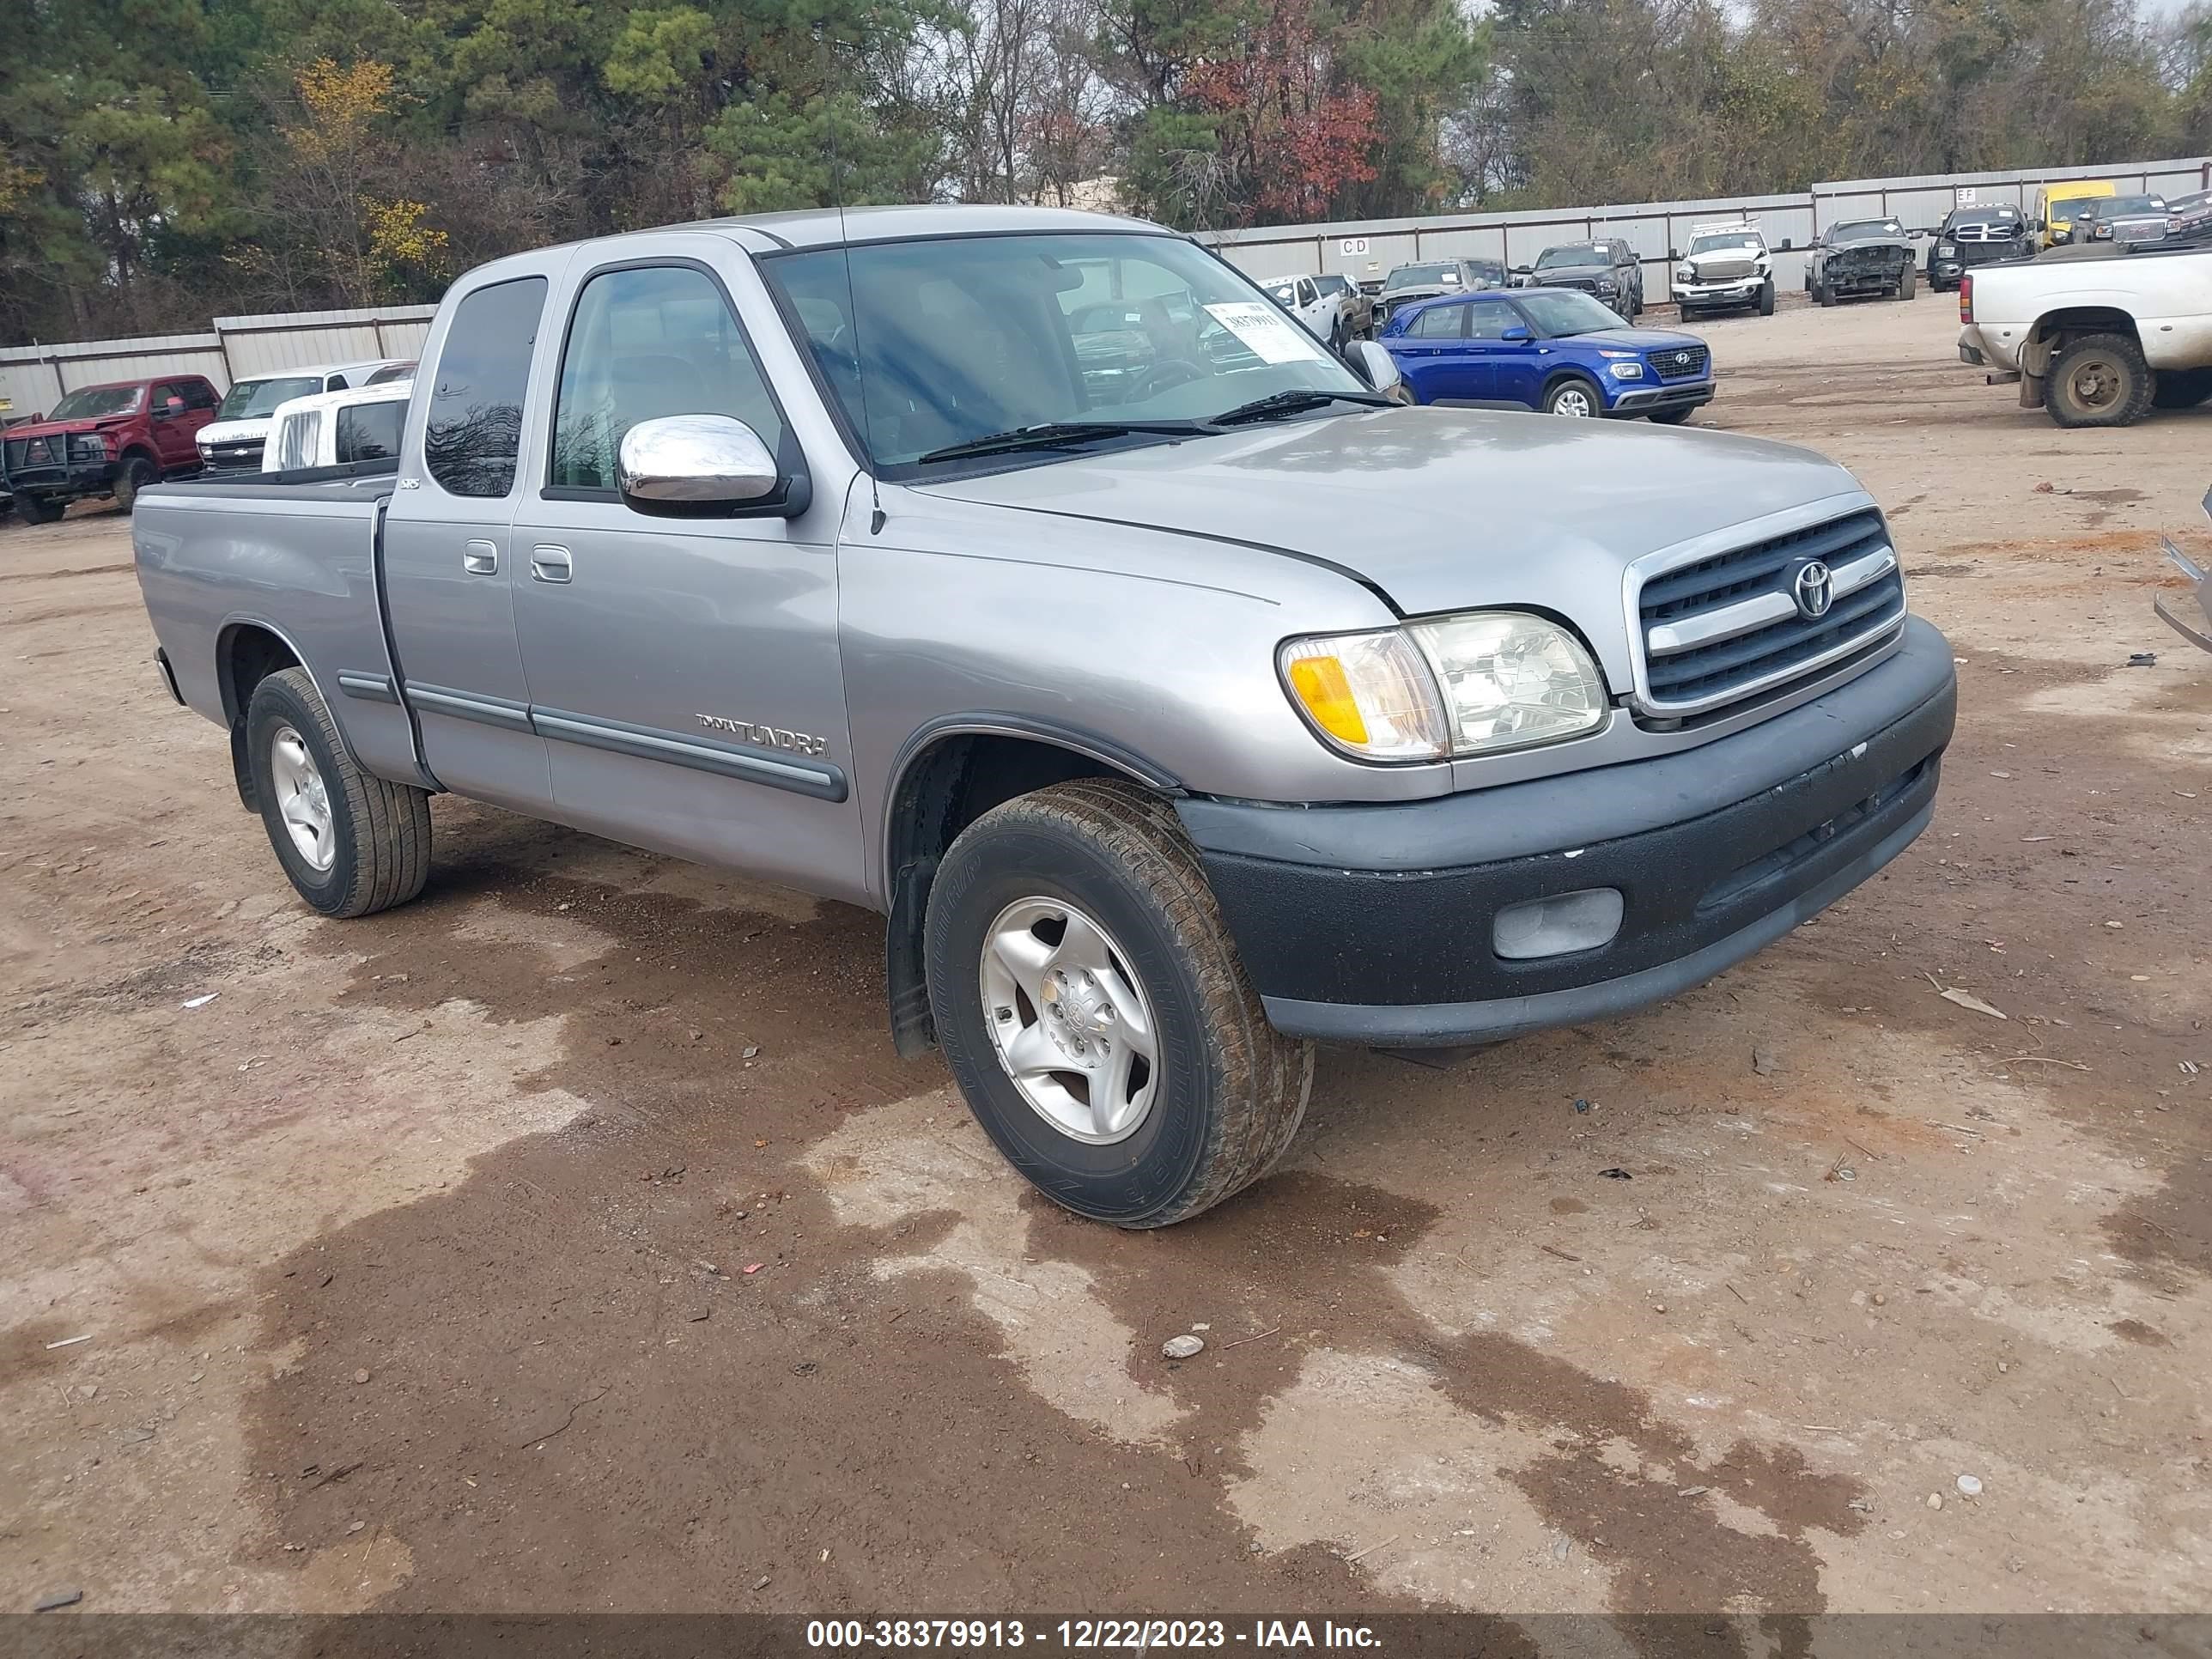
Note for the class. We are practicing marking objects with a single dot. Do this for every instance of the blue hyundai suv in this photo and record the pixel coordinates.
(1550, 349)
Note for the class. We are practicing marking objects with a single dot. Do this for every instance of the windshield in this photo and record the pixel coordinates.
(96, 402)
(1563, 311)
(1421, 276)
(2070, 208)
(1582, 253)
(1866, 230)
(964, 338)
(250, 400)
(2118, 205)
(1726, 242)
(1331, 285)
(2004, 219)
(1285, 292)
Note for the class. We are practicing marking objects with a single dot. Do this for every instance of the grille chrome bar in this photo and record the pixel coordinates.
(1714, 625)
(1711, 627)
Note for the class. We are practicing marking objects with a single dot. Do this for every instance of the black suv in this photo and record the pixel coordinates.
(1606, 268)
(1970, 236)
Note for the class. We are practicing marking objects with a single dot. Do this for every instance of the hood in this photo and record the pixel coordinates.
(1578, 273)
(66, 428)
(234, 432)
(1442, 509)
(1639, 339)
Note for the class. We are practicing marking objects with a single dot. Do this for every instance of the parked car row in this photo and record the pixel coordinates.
(115, 440)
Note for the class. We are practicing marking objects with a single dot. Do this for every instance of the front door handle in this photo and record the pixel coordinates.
(548, 563)
(480, 559)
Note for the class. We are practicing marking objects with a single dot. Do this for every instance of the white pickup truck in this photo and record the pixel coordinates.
(2096, 339)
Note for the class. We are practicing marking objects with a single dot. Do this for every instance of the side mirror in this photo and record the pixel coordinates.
(705, 465)
(1516, 334)
(1783, 246)
(1524, 270)
(1674, 255)
(1376, 366)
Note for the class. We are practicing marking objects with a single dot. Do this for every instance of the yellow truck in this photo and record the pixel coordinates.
(2055, 205)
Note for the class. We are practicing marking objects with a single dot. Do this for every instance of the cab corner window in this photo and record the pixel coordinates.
(647, 343)
(474, 429)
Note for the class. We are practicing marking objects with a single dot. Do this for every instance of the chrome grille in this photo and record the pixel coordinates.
(1723, 270)
(1681, 363)
(1725, 627)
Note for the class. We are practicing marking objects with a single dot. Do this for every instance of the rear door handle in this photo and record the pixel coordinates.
(480, 559)
(549, 564)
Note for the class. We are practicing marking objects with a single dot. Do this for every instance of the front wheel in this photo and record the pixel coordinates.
(31, 509)
(1574, 397)
(1673, 416)
(1095, 1013)
(350, 844)
(1823, 294)
(2100, 380)
(138, 472)
(1767, 298)
(1905, 283)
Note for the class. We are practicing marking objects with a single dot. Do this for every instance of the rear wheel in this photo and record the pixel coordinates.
(139, 471)
(1095, 1013)
(1574, 397)
(351, 844)
(2100, 380)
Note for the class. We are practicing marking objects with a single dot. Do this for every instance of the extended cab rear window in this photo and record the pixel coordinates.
(474, 431)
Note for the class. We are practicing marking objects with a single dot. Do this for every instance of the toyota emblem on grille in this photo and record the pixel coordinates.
(1814, 587)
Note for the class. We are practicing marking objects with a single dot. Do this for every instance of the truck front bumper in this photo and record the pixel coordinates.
(64, 483)
(1740, 293)
(1374, 923)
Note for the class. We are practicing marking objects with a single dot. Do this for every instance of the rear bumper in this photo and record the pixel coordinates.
(1690, 394)
(1373, 924)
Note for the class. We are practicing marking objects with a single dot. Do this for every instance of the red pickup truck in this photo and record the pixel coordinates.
(106, 441)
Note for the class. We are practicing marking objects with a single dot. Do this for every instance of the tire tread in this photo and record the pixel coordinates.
(391, 822)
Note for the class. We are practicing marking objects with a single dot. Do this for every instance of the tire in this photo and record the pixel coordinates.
(1767, 298)
(1905, 283)
(31, 509)
(139, 470)
(1672, 417)
(1223, 1092)
(1821, 293)
(376, 836)
(2181, 388)
(2100, 380)
(1561, 397)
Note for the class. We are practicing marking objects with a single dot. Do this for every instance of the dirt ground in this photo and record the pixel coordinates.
(571, 1239)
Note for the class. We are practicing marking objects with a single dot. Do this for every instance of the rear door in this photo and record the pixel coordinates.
(1430, 357)
(684, 671)
(448, 568)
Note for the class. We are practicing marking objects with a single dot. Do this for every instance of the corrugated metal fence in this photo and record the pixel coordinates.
(1364, 251)
(34, 378)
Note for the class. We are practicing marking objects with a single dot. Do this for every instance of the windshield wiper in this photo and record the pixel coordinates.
(1293, 402)
(1061, 434)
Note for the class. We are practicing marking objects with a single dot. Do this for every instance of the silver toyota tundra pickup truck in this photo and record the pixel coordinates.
(1180, 697)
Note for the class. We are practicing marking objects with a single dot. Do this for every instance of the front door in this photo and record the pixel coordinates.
(684, 671)
(173, 421)
(449, 571)
(1516, 366)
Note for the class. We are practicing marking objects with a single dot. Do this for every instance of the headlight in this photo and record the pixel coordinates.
(91, 446)
(1624, 371)
(1944, 250)
(1686, 273)
(1607, 285)
(1469, 685)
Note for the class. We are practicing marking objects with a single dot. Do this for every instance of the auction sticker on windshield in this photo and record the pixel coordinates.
(1271, 336)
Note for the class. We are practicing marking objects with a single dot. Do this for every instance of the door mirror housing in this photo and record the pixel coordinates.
(1376, 366)
(1516, 334)
(1524, 270)
(1783, 246)
(705, 466)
